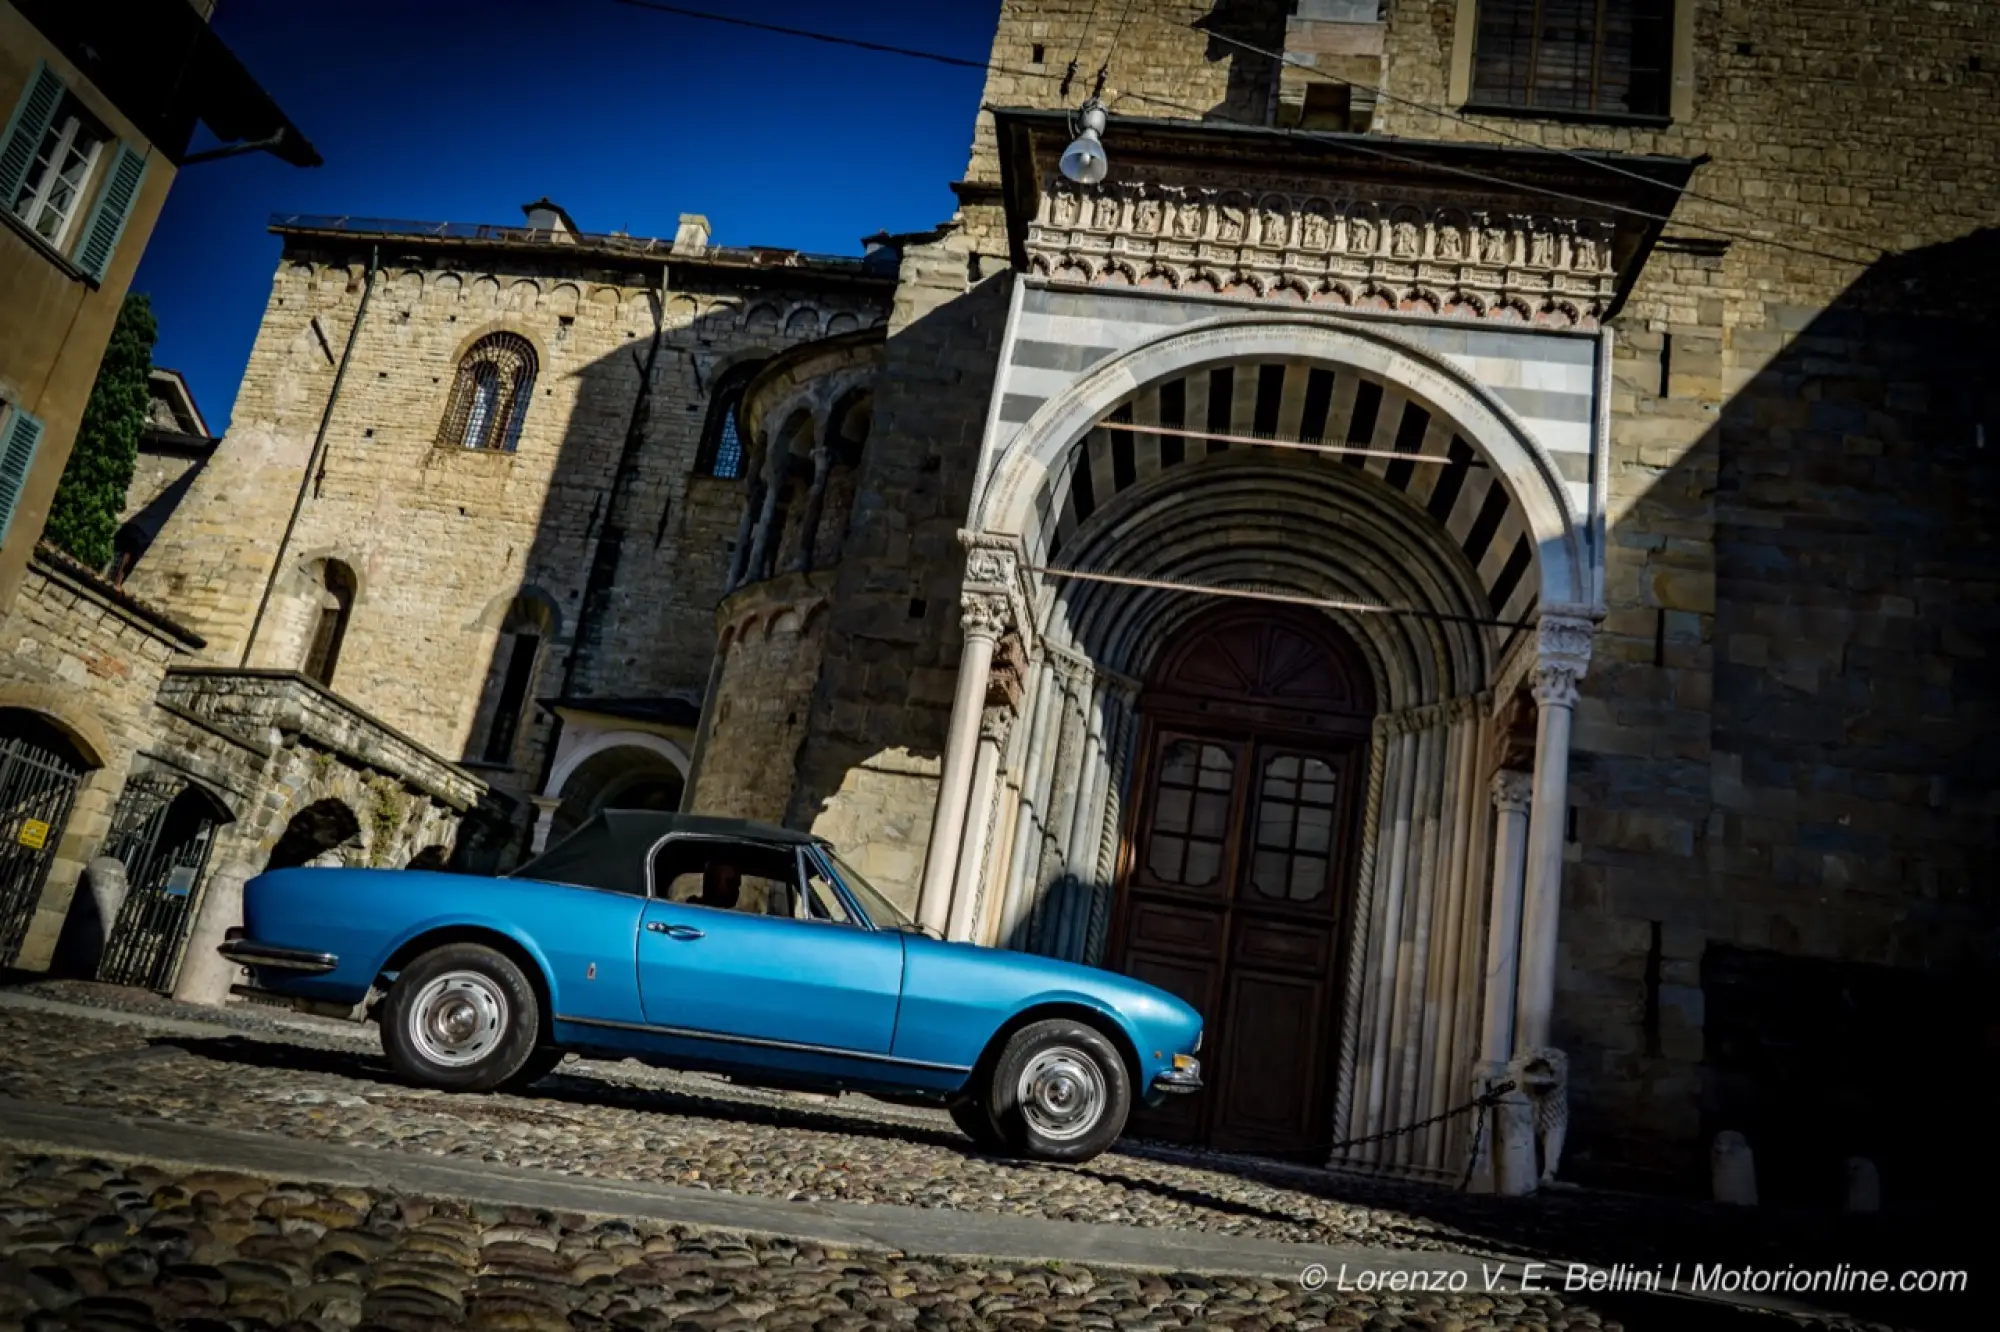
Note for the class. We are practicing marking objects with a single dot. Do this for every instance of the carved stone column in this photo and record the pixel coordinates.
(1563, 654)
(986, 616)
(1512, 796)
(815, 503)
(993, 727)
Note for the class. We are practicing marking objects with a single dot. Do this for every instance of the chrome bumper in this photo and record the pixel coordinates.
(1186, 1077)
(246, 953)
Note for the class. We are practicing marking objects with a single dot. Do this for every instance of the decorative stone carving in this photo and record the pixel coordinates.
(984, 614)
(1513, 791)
(1543, 1076)
(1562, 655)
(994, 725)
(1276, 245)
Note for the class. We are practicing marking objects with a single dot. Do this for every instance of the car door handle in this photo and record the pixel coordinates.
(673, 931)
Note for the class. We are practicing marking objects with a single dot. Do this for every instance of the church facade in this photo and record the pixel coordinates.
(1473, 539)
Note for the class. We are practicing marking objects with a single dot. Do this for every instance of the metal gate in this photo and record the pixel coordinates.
(161, 832)
(37, 788)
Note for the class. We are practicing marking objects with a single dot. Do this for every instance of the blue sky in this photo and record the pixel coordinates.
(463, 110)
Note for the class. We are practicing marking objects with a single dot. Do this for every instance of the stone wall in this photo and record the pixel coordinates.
(867, 776)
(442, 539)
(771, 637)
(73, 653)
(1770, 749)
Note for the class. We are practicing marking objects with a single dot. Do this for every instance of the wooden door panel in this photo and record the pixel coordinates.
(1275, 945)
(1166, 927)
(1270, 1060)
(1178, 1119)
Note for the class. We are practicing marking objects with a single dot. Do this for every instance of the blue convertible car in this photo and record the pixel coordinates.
(720, 945)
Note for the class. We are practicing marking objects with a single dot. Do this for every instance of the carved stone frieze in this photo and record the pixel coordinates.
(1470, 258)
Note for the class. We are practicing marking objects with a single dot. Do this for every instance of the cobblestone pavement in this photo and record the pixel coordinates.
(310, 1081)
(89, 1244)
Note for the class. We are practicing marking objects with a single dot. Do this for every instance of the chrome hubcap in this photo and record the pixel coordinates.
(1062, 1093)
(458, 1018)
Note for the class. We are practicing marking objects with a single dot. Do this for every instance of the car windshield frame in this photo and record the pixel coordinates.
(877, 910)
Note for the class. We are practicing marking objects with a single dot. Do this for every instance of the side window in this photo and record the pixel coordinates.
(727, 876)
(64, 177)
(821, 901)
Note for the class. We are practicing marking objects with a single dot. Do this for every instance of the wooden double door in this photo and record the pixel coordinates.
(1235, 874)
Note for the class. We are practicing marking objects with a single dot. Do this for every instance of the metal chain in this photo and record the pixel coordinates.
(1485, 1100)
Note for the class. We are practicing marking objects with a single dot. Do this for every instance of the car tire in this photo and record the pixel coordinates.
(540, 1064)
(976, 1123)
(1059, 1092)
(462, 1017)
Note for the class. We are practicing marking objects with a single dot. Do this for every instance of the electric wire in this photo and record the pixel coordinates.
(1326, 141)
(1584, 158)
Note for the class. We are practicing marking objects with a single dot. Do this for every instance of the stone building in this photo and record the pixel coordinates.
(1474, 538)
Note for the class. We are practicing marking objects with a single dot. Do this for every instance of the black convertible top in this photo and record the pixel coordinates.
(610, 850)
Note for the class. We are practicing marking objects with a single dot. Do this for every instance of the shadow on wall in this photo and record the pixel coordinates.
(867, 763)
(628, 553)
(1832, 994)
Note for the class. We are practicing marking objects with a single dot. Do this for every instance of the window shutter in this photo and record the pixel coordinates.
(24, 132)
(19, 439)
(114, 205)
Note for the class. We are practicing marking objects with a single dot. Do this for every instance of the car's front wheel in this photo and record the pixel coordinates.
(462, 1017)
(1059, 1092)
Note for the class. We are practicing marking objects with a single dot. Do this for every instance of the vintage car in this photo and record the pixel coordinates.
(717, 945)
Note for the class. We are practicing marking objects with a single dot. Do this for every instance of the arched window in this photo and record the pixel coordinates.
(721, 451)
(336, 603)
(490, 396)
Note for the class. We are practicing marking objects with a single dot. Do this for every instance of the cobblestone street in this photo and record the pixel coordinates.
(106, 1245)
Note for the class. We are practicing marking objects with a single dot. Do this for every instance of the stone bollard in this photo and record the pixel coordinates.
(93, 915)
(1733, 1169)
(1514, 1145)
(1864, 1186)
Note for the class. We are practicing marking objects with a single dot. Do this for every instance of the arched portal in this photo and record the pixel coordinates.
(1238, 862)
(626, 775)
(1334, 477)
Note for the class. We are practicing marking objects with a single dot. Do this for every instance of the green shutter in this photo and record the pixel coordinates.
(114, 205)
(24, 132)
(18, 441)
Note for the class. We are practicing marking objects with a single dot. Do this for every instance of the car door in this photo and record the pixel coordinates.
(772, 968)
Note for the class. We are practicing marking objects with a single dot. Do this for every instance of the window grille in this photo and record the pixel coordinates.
(721, 451)
(490, 396)
(1581, 57)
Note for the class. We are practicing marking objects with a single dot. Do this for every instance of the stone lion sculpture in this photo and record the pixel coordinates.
(1543, 1077)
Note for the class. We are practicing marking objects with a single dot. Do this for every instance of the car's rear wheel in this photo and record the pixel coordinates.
(462, 1017)
(1059, 1092)
(976, 1123)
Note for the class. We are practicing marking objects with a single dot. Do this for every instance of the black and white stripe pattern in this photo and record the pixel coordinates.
(1313, 403)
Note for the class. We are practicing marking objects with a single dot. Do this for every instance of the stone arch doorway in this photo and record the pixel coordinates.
(325, 832)
(1238, 861)
(618, 776)
(41, 769)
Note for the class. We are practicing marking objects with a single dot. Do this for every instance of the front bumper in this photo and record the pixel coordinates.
(1183, 1077)
(248, 953)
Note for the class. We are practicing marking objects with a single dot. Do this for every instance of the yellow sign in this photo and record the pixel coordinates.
(34, 833)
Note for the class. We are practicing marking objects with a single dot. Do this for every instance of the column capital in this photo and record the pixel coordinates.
(547, 804)
(990, 560)
(995, 724)
(1562, 656)
(984, 615)
(1513, 791)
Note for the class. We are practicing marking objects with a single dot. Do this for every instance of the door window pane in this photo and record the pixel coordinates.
(1296, 795)
(1190, 814)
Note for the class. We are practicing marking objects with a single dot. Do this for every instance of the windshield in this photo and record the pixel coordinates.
(884, 914)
